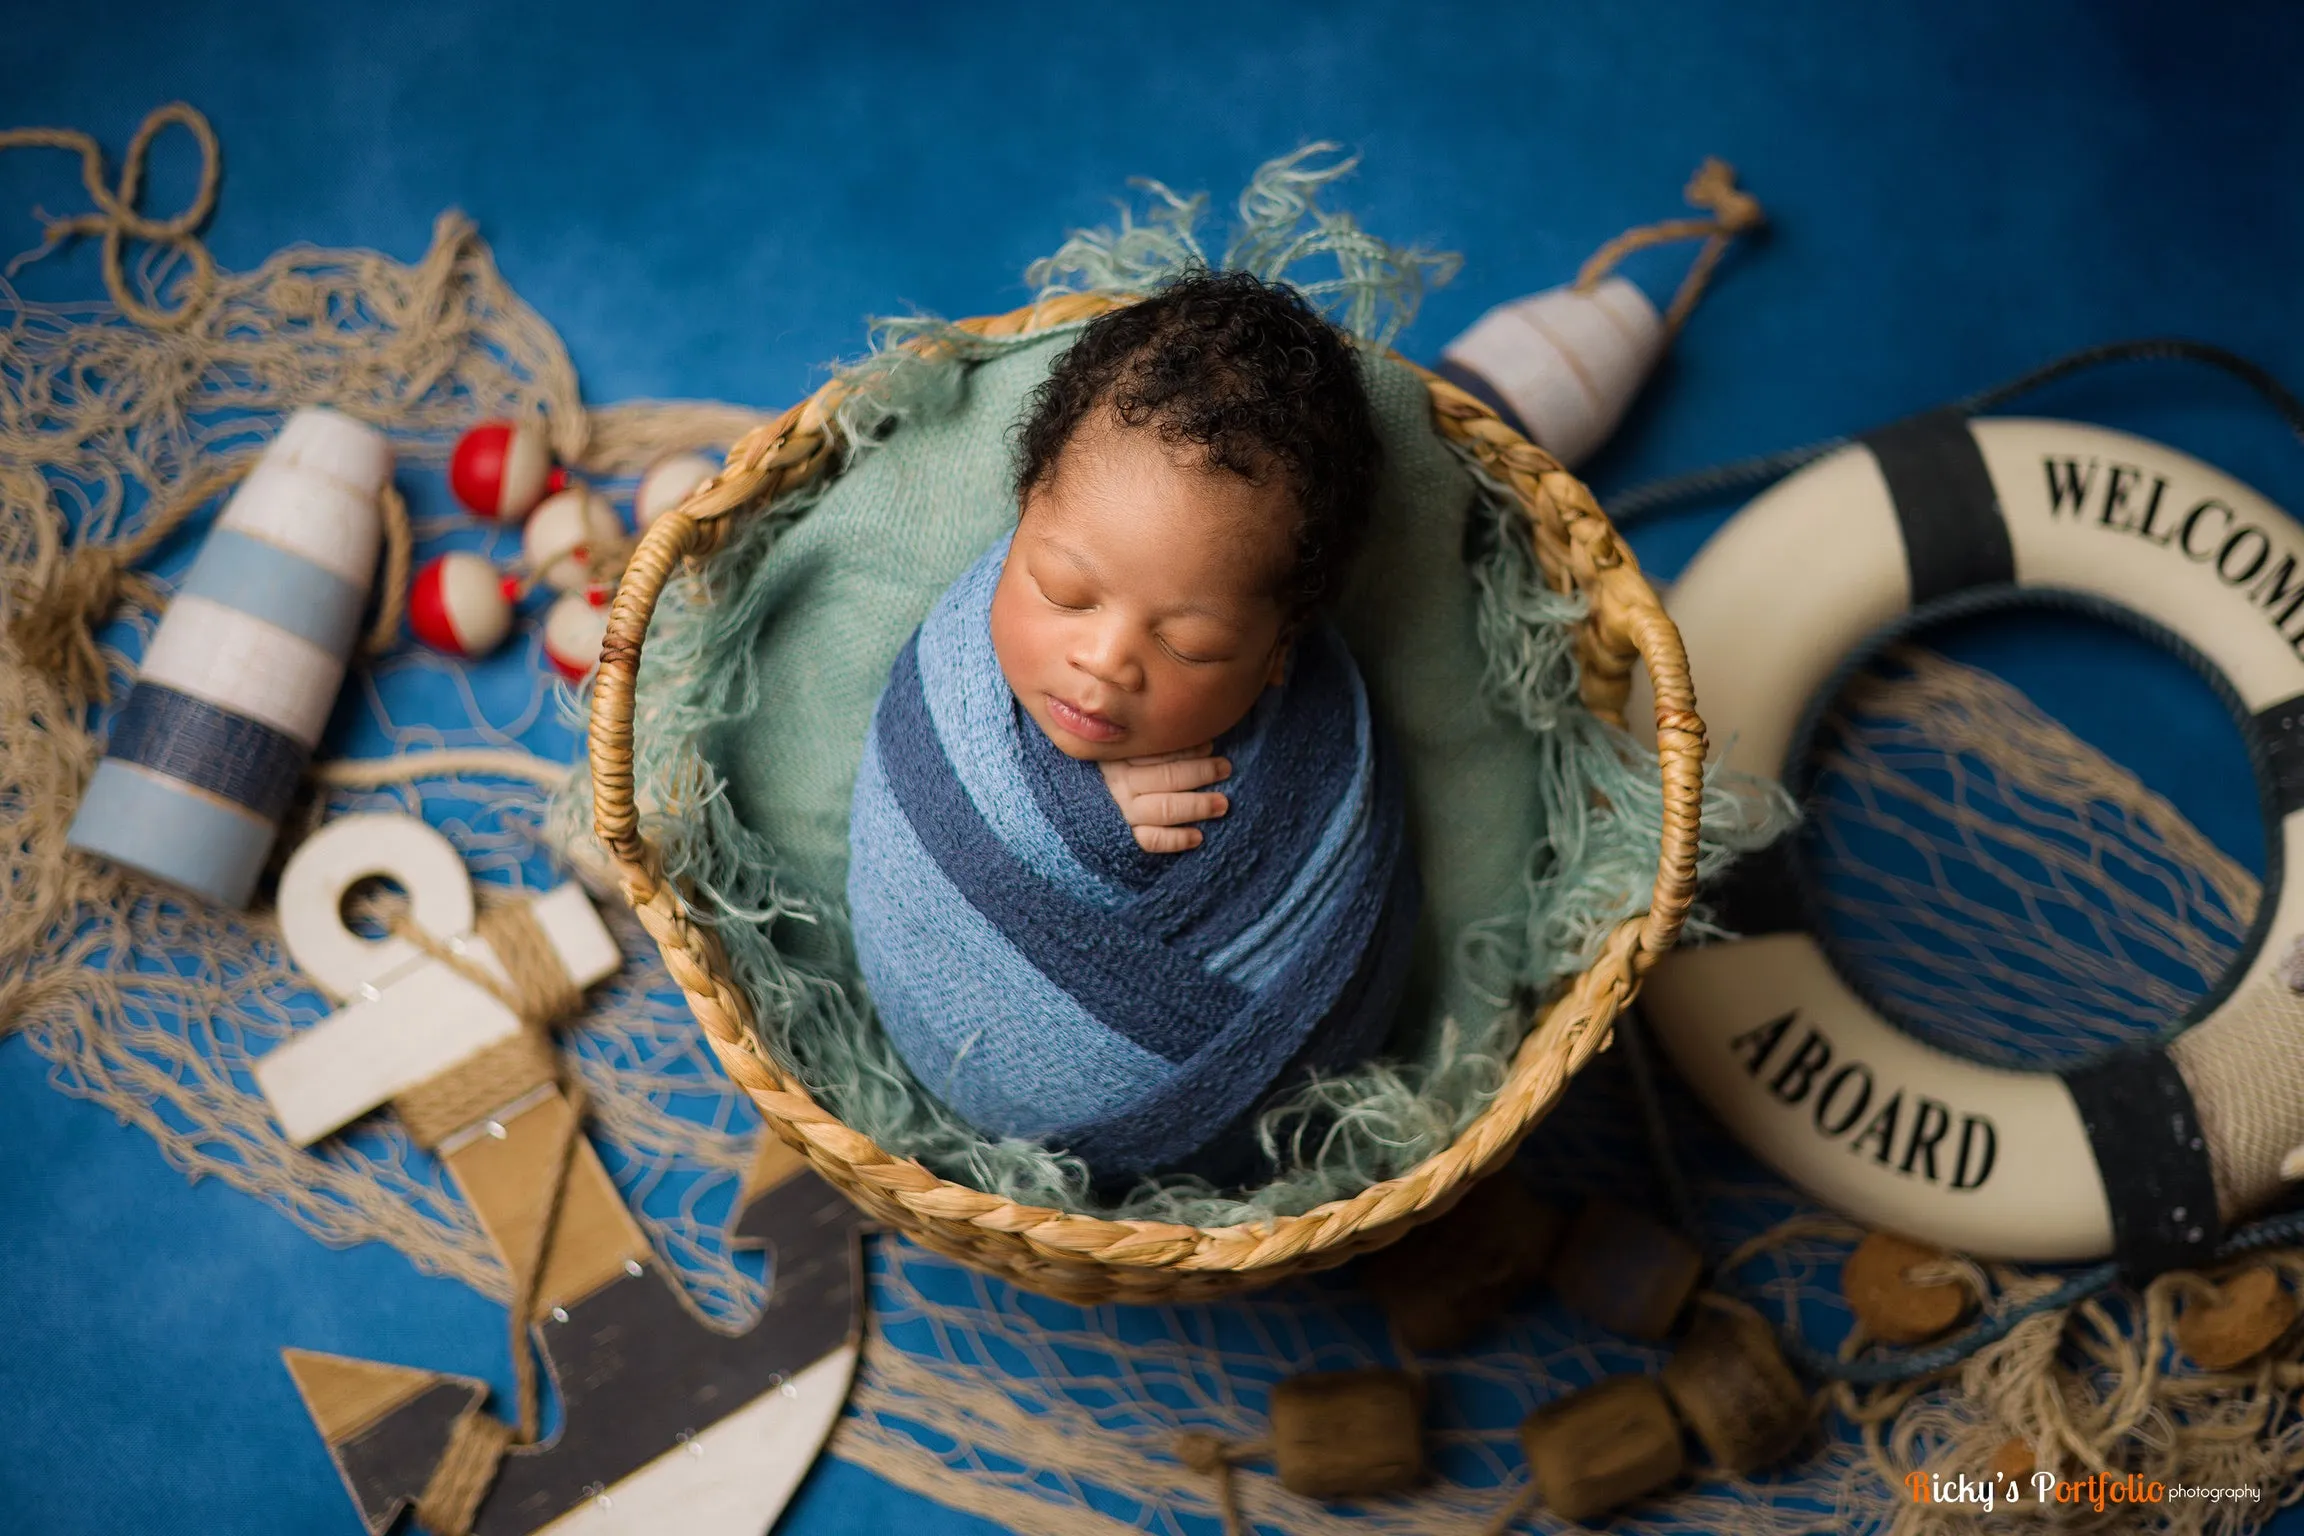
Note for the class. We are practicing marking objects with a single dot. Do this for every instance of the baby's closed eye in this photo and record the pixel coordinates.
(1192, 658)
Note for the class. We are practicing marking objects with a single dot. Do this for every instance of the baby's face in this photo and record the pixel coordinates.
(1137, 612)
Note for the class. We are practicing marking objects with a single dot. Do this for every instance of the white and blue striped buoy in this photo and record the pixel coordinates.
(1561, 366)
(244, 669)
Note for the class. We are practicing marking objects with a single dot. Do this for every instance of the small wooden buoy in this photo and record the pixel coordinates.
(1603, 1447)
(501, 469)
(2250, 1310)
(1348, 1434)
(1627, 1272)
(2012, 1462)
(1731, 1385)
(1448, 1279)
(666, 483)
(574, 628)
(460, 605)
(1892, 1307)
(564, 532)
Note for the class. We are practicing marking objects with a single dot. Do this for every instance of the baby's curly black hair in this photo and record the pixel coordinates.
(1251, 373)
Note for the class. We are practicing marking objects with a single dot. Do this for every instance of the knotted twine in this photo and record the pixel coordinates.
(1732, 212)
(538, 988)
(1216, 1457)
(117, 220)
(57, 615)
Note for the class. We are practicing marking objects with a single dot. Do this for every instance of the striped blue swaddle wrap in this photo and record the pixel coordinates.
(1048, 979)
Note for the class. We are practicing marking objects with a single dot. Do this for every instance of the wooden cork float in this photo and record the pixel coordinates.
(1621, 1440)
(1894, 1307)
(1348, 1434)
(2244, 1317)
(1626, 1271)
(1445, 1282)
(2012, 1461)
(1729, 1382)
(1603, 1448)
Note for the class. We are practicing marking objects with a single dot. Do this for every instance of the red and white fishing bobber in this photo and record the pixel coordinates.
(461, 605)
(666, 483)
(566, 535)
(574, 628)
(501, 469)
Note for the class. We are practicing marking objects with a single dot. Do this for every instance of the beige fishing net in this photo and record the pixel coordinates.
(1043, 1417)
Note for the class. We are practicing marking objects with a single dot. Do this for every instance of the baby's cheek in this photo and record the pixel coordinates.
(1202, 707)
(1015, 642)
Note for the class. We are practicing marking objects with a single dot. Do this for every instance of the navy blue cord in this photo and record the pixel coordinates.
(1905, 1366)
(1639, 1058)
(1767, 469)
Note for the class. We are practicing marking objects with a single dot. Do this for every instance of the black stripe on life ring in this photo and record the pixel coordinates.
(2280, 735)
(2153, 1159)
(1955, 535)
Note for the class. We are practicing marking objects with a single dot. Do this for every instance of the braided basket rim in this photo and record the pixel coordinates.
(1092, 1258)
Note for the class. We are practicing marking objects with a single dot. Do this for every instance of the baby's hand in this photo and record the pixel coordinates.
(1155, 794)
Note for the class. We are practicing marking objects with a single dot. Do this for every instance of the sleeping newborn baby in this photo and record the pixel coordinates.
(1127, 849)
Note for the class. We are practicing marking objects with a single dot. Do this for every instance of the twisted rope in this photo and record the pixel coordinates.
(1731, 211)
(1217, 1457)
(466, 1471)
(117, 220)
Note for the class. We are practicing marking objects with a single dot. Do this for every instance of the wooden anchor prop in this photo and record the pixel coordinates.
(668, 1424)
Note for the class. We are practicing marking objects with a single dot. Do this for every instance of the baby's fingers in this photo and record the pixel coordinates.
(1181, 753)
(1167, 839)
(1175, 810)
(1182, 773)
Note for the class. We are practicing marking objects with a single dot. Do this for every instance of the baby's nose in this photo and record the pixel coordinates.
(1110, 662)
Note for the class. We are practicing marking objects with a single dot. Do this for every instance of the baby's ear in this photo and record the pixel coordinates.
(1280, 653)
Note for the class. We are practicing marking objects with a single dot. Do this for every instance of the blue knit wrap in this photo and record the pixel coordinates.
(1048, 979)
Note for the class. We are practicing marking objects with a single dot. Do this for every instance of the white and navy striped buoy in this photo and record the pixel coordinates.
(1560, 366)
(244, 669)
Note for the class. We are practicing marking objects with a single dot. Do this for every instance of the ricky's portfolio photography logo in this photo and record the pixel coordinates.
(2097, 1491)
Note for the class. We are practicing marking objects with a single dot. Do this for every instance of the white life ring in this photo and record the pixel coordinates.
(2145, 1154)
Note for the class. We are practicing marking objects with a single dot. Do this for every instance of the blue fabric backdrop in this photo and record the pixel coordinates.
(708, 204)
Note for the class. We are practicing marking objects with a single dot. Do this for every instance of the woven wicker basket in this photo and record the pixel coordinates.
(1080, 1258)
